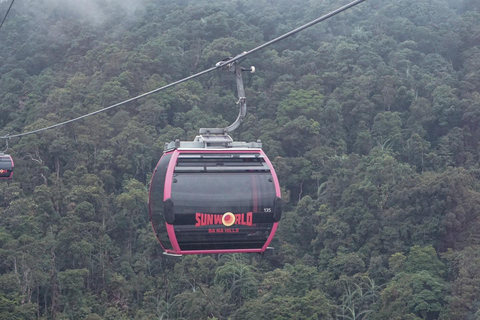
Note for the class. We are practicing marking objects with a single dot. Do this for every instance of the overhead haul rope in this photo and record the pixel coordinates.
(217, 66)
(6, 14)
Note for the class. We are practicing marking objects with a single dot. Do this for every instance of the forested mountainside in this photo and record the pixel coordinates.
(370, 118)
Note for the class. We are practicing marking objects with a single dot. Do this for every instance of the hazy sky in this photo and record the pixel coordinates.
(94, 10)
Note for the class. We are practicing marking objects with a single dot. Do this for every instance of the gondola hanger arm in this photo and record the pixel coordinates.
(242, 100)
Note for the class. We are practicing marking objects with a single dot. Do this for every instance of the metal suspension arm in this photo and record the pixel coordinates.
(242, 101)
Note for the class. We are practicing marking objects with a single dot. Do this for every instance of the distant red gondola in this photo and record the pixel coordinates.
(6, 166)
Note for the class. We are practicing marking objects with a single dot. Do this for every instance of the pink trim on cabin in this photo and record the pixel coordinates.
(220, 151)
(274, 174)
(167, 190)
(270, 237)
(13, 166)
(150, 206)
(216, 251)
(158, 239)
(168, 193)
(173, 237)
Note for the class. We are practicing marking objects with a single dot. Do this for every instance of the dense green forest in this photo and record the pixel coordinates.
(370, 118)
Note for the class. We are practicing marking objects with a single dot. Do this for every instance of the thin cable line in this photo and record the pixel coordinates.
(6, 14)
(217, 66)
(288, 34)
(112, 106)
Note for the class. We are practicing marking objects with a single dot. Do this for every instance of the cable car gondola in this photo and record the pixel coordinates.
(213, 200)
(214, 195)
(6, 166)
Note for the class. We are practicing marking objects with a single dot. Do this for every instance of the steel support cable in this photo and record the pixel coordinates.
(288, 34)
(217, 66)
(6, 14)
(110, 107)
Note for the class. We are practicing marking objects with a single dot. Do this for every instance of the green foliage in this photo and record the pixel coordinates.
(313, 305)
(359, 295)
(417, 289)
(237, 280)
(371, 120)
(301, 102)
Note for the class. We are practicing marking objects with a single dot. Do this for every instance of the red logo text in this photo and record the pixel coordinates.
(207, 219)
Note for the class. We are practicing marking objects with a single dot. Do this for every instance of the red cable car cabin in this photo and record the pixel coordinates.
(214, 201)
(6, 166)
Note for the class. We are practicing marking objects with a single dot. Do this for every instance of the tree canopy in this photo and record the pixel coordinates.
(371, 119)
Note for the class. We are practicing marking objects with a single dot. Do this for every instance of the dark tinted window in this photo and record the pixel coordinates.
(235, 192)
(5, 163)
(5, 173)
